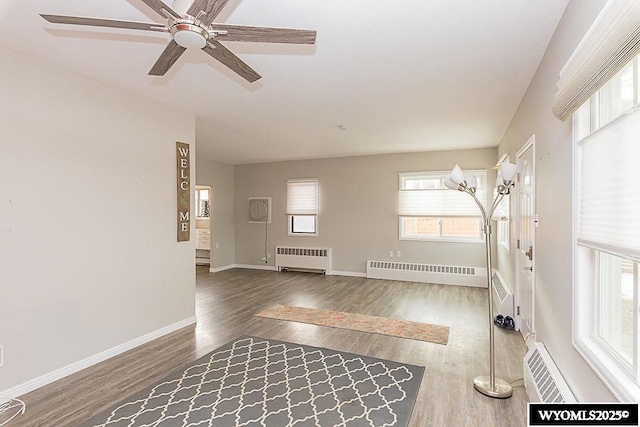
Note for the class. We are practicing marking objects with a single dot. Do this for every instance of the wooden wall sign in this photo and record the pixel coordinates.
(184, 191)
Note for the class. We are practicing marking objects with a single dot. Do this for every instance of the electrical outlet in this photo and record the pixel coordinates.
(390, 254)
(1, 356)
(217, 245)
(398, 254)
(269, 255)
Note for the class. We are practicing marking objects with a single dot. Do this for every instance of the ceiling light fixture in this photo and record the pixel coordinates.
(467, 183)
(189, 36)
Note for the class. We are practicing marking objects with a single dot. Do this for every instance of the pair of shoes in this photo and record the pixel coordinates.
(509, 323)
(505, 322)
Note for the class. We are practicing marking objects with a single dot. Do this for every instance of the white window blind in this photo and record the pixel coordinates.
(302, 197)
(438, 202)
(609, 194)
(611, 42)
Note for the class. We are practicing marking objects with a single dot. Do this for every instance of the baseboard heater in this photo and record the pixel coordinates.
(542, 379)
(427, 273)
(502, 295)
(303, 259)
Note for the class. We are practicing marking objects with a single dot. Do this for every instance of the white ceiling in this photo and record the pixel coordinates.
(401, 76)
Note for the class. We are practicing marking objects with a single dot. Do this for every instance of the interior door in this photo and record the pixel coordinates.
(525, 244)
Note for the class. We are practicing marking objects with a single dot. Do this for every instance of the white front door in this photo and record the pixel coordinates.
(525, 243)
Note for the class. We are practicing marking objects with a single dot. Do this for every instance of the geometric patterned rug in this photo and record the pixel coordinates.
(360, 322)
(256, 382)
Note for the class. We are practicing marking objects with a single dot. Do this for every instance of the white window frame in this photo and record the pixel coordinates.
(482, 178)
(306, 211)
(504, 232)
(198, 190)
(622, 378)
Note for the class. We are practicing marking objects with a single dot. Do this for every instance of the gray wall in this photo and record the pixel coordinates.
(89, 259)
(553, 314)
(358, 208)
(220, 177)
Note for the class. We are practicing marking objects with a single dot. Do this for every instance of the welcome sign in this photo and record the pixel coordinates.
(184, 191)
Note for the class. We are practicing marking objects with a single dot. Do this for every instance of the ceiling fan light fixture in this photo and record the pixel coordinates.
(189, 36)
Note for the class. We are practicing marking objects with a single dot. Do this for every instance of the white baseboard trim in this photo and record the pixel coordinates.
(256, 267)
(348, 273)
(45, 379)
(223, 268)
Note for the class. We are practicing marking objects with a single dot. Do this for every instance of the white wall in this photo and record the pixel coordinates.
(358, 208)
(220, 177)
(88, 251)
(553, 314)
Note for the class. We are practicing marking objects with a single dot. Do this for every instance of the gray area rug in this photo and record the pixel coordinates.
(258, 382)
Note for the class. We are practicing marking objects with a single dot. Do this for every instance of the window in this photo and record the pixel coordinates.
(503, 223)
(501, 215)
(607, 245)
(302, 207)
(203, 203)
(430, 211)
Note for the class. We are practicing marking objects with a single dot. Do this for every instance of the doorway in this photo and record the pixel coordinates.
(526, 222)
(203, 209)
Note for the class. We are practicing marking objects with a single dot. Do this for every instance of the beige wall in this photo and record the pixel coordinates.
(88, 252)
(220, 177)
(358, 208)
(553, 314)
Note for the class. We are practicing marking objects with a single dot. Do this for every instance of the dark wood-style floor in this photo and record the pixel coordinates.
(225, 308)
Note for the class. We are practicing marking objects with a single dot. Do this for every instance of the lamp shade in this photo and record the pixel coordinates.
(457, 176)
(508, 171)
(472, 181)
(450, 184)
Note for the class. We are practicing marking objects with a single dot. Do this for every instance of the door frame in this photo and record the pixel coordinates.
(530, 144)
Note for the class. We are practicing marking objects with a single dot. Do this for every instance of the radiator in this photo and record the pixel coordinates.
(542, 379)
(502, 295)
(316, 259)
(427, 273)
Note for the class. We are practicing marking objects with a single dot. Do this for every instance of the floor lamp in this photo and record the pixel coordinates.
(467, 183)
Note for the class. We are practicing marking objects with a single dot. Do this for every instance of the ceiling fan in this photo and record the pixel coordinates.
(197, 30)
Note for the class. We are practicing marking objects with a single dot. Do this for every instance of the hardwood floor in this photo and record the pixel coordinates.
(225, 308)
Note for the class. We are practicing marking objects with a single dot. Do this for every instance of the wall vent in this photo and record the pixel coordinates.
(542, 379)
(427, 273)
(313, 259)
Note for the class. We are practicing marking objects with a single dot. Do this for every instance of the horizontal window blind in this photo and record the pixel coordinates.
(611, 42)
(609, 194)
(302, 197)
(440, 202)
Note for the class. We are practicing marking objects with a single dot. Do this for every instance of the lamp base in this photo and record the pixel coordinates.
(502, 389)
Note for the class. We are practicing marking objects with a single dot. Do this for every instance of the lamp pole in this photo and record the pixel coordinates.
(487, 385)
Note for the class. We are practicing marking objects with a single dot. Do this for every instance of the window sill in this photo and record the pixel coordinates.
(617, 380)
(303, 234)
(441, 239)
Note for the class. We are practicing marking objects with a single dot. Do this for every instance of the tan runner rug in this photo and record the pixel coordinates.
(360, 322)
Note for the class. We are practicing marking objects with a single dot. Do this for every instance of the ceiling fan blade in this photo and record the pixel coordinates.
(159, 6)
(169, 57)
(242, 33)
(228, 58)
(75, 20)
(211, 7)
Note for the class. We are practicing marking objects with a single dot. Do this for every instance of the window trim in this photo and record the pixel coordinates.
(403, 176)
(307, 212)
(623, 383)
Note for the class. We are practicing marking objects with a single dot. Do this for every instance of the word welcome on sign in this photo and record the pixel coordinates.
(184, 191)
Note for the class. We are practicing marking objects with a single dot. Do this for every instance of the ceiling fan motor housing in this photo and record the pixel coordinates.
(188, 34)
